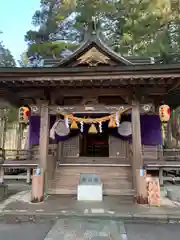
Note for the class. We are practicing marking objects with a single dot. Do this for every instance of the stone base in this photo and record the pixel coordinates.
(3, 191)
(141, 200)
(90, 193)
(173, 195)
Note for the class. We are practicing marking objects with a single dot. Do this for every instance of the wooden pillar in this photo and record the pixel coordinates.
(137, 161)
(44, 142)
(2, 127)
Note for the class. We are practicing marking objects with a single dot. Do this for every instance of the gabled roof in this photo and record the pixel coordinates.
(95, 44)
(93, 50)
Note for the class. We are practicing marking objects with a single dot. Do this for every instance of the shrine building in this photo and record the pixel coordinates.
(94, 112)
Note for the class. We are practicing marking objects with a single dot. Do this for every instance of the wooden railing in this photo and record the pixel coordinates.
(153, 153)
(158, 154)
(21, 154)
(171, 153)
(11, 161)
(15, 154)
(167, 163)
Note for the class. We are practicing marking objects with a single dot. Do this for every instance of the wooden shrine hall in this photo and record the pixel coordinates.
(93, 112)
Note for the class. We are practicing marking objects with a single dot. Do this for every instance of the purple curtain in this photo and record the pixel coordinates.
(34, 126)
(150, 130)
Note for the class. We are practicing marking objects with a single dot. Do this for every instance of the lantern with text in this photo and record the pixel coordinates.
(23, 114)
(164, 113)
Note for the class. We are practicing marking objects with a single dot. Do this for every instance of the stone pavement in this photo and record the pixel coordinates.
(63, 217)
(55, 206)
(24, 231)
(152, 231)
(93, 229)
(67, 229)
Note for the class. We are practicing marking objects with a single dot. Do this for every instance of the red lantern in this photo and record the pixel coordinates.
(164, 113)
(24, 113)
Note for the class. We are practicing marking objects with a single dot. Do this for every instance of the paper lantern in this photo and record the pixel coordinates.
(164, 113)
(92, 129)
(125, 129)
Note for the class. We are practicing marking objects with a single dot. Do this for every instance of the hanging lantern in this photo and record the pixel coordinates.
(92, 129)
(164, 113)
(74, 125)
(112, 122)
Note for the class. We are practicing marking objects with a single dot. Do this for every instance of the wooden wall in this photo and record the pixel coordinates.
(71, 147)
(11, 136)
(52, 151)
(118, 148)
(68, 152)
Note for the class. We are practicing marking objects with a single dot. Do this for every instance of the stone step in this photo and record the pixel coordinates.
(122, 186)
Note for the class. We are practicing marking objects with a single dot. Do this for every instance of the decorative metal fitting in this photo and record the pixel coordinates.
(146, 108)
(59, 109)
(34, 108)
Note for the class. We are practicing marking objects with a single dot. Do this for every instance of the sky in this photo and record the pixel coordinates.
(15, 21)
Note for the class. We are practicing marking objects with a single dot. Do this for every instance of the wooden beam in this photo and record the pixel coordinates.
(8, 96)
(19, 96)
(84, 74)
(69, 91)
(127, 99)
(89, 109)
(174, 86)
(93, 92)
(83, 91)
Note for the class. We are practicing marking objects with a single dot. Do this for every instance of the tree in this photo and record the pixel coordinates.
(50, 49)
(44, 41)
(57, 21)
(134, 27)
(139, 27)
(23, 62)
(147, 27)
(6, 58)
